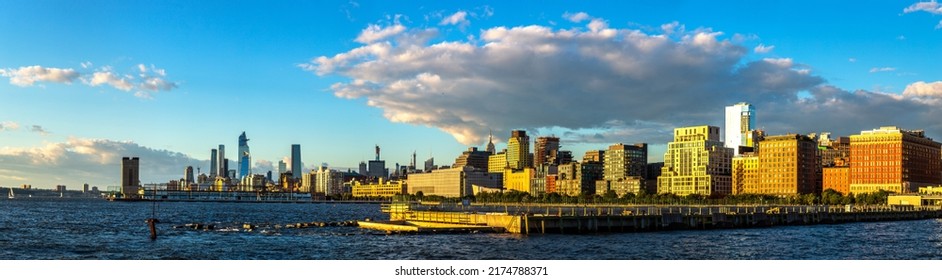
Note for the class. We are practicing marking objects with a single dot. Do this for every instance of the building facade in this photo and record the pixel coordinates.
(381, 188)
(518, 150)
(474, 158)
(740, 127)
(296, 161)
(452, 182)
(696, 162)
(836, 178)
(546, 150)
(745, 173)
(130, 175)
(245, 157)
(893, 159)
(788, 165)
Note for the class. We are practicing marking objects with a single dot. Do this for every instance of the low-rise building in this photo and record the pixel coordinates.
(381, 188)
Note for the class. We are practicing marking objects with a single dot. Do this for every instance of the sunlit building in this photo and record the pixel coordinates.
(696, 162)
(452, 182)
(740, 127)
(836, 178)
(381, 188)
(546, 150)
(788, 165)
(497, 163)
(893, 159)
(745, 173)
(519, 180)
(518, 150)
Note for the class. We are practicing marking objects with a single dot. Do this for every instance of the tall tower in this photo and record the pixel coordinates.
(296, 161)
(740, 127)
(245, 159)
(130, 175)
(518, 150)
(213, 164)
(546, 150)
(188, 174)
(221, 161)
(490, 143)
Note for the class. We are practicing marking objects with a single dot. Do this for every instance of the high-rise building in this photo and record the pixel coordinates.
(497, 162)
(223, 168)
(282, 167)
(188, 175)
(893, 159)
(624, 167)
(788, 165)
(546, 150)
(213, 163)
(329, 181)
(696, 163)
(518, 150)
(296, 161)
(472, 157)
(363, 169)
(594, 156)
(490, 143)
(245, 158)
(745, 173)
(740, 127)
(377, 167)
(130, 175)
(429, 164)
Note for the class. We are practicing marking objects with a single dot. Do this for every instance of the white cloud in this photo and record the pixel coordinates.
(923, 89)
(932, 7)
(374, 33)
(86, 64)
(93, 161)
(576, 17)
(459, 18)
(28, 75)
(761, 48)
(9, 125)
(852, 60)
(882, 69)
(38, 129)
(263, 166)
(111, 79)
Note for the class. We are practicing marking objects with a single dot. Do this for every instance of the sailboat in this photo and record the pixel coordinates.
(10, 196)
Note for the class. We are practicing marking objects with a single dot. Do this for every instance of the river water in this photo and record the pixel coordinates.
(54, 228)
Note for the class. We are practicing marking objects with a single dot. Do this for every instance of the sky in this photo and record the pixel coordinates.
(84, 83)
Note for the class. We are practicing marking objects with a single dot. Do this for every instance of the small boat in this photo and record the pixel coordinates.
(11, 196)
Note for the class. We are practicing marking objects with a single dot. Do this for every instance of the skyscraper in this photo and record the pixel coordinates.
(245, 159)
(188, 174)
(130, 175)
(282, 166)
(490, 144)
(546, 150)
(221, 161)
(296, 161)
(377, 167)
(213, 164)
(518, 150)
(740, 127)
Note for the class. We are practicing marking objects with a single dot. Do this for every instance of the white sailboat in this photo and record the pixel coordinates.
(11, 196)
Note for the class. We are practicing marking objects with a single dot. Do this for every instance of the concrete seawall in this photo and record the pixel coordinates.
(600, 219)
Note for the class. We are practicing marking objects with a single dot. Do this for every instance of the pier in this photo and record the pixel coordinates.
(569, 219)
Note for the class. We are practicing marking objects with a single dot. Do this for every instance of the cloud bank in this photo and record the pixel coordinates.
(599, 84)
(94, 161)
(148, 80)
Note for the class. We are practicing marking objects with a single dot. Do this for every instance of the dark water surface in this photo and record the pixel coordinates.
(53, 228)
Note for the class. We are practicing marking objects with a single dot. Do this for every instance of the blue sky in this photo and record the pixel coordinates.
(84, 83)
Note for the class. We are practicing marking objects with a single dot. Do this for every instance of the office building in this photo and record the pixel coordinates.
(624, 167)
(381, 188)
(213, 163)
(188, 175)
(472, 157)
(497, 163)
(130, 176)
(546, 150)
(836, 178)
(594, 156)
(745, 173)
(696, 163)
(222, 169)
(788, 165)
(740, 127)
(282, 167)
(518, 150)
(245, 158)
(296, 161)
(893, 159)
(329, 181)
(452, 182)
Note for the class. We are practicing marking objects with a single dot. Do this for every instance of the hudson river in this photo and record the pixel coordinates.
(54, 228)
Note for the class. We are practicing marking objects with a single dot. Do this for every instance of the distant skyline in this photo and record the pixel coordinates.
(84, 83)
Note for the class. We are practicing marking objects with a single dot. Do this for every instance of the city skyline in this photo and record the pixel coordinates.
(341, 77)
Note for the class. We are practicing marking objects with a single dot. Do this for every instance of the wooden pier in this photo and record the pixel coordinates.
(602, 219)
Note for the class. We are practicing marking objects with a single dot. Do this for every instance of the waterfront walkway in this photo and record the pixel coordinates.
(534, 218)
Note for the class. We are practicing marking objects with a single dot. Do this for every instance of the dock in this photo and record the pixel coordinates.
(568, 219)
